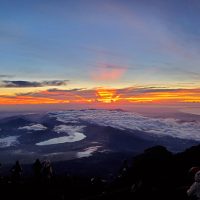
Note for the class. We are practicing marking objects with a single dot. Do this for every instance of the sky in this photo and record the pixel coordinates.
(90, 52)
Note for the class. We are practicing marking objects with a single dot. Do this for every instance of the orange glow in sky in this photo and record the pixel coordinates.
(30, 100)
(107, 95)
(104, 95)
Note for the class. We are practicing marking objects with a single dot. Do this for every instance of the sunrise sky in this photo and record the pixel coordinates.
(94, 52)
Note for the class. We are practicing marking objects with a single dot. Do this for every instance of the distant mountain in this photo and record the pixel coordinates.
(14, 122)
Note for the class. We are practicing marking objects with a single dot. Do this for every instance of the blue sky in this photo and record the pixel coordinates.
(103, 43)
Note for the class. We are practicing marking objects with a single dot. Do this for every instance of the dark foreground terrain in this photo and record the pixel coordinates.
(154, 174)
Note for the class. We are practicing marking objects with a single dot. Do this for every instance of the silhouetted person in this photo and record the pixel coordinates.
(47, 170)
(37, 169)
(16, 171)
(194, 191)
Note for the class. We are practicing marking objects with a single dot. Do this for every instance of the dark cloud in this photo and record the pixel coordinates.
(21, 84)
(55, 83)
(83, 92)
(75, 93)
(6, 76)
(132, 91)
(92, 93)
(70, 90)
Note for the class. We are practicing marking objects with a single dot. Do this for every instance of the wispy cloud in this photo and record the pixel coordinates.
(25, 84)
(6, 76)
(108, 72)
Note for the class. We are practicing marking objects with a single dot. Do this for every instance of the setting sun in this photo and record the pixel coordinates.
(107, 95)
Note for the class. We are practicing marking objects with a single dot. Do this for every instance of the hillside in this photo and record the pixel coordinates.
(156, 173)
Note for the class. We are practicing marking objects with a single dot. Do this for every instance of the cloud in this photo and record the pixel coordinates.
(108, 72)
(33, 127)
(73, 133)
(6, 76)
(120, 96)
(68, 129)
(23, 84)
(64, 139)
(132, 121)
(9, 141)
(74, 95)
(88, 151)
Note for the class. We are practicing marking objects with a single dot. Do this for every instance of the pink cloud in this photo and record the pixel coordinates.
(108, 72)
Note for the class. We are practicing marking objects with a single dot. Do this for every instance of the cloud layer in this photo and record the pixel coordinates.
(132, 121)
(101, 95)
(73, 132)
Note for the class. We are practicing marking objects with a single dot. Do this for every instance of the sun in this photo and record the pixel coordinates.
(107, 95)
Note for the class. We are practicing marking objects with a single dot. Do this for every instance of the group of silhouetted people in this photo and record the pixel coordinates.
(42, 171)
(141, 188)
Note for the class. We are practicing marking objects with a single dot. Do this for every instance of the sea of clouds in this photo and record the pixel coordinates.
(71, 129)
(132, 121)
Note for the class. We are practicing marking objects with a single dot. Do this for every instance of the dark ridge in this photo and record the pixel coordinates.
(15, 121)
(155, 174)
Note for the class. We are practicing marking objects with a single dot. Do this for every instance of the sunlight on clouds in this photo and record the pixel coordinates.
(29, 100)
(101, 95)
(107, 95)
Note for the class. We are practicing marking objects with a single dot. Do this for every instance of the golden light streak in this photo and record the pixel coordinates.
(30, 100)
(107, 95)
